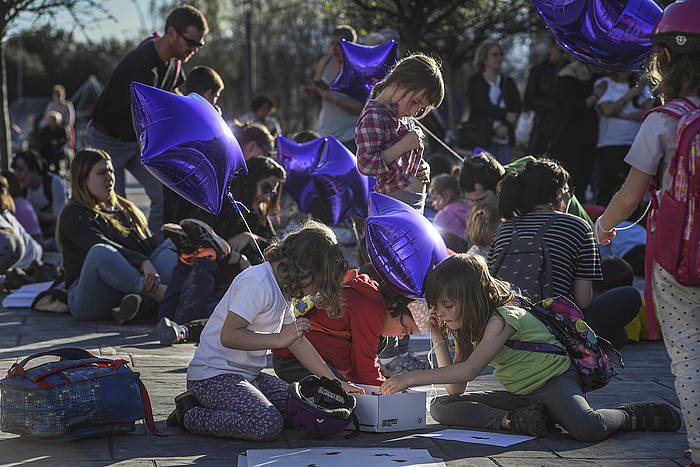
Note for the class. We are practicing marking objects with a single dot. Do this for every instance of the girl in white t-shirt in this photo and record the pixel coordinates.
(228, 394)
(675, 72)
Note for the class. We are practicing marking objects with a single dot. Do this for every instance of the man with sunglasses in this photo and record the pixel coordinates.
(157, 62)
(481, 174)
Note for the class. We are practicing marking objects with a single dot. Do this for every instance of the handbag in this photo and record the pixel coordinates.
(78, 396)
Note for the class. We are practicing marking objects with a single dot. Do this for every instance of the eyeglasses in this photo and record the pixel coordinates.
(191, 42)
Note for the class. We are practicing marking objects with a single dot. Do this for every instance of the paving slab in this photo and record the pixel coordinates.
(646, 377)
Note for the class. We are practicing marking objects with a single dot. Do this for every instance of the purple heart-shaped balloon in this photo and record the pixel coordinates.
(402, 244)
(186, 145)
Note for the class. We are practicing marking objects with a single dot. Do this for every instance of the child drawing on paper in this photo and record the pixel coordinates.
(480, 313)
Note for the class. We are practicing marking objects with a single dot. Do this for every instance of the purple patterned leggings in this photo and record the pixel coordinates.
(233, 407)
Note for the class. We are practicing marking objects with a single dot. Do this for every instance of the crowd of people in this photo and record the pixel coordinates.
(518, 231)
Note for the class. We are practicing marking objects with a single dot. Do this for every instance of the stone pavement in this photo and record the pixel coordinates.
(646, 377)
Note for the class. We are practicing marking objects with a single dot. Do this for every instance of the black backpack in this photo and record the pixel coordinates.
(525, 262)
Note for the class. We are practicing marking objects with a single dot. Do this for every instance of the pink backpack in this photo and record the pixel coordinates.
(674, 242)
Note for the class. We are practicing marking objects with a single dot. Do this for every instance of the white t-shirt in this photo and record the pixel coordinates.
(255, 296)
(613, 131)
(59, 196)
(495, 93)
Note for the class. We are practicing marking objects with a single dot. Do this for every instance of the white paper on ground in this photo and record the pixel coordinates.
(242, 460)
(478, 437)
(24, 297)
(341, 457)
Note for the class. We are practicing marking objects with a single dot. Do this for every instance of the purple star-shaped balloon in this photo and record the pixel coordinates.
(186, 144)
(402, 244)
(324, 170)
(611, 34)
(363, 67)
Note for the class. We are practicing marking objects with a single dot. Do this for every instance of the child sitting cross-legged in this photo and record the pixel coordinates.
(481, 313)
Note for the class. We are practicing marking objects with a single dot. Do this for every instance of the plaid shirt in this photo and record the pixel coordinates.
(379, 128)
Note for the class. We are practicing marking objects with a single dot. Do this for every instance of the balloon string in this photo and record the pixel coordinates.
(237, 206)
(449, 149)
(635, 222)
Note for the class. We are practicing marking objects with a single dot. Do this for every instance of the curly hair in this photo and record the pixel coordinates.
(310, 252)
(674, 78)
(465, 280)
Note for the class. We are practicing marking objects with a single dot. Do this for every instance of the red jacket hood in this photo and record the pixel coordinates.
(363, 284)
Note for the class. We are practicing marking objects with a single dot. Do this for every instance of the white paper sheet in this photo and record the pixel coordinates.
(341, 457)
(24, 297)
(478, 437)
(242, 460)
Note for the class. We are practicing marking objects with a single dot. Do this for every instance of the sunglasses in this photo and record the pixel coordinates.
(191, 42)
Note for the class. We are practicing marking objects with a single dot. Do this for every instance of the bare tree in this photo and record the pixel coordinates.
(10, 11)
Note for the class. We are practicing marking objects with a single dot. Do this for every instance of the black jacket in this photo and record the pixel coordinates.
(483, 112)
(539, 96)
(80, 229)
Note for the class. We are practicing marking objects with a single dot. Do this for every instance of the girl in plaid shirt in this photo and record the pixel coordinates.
(389, 145)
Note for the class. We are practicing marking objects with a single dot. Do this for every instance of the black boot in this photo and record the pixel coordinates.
(652, 417)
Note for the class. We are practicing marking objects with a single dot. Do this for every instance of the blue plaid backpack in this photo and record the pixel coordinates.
(78, 396)
(588, 352)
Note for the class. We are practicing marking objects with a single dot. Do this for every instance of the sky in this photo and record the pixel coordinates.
(128, 24)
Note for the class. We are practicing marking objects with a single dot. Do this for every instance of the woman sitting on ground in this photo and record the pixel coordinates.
(17, 247)
(198, 284)
(46, 192)
(534, 201)
(110, 257)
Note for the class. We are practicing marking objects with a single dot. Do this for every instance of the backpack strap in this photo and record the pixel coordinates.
(535, 347)
(675, 108)
(148, 411)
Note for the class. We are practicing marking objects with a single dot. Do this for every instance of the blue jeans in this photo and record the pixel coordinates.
(126, 155)
(107, 276)
(191, 292)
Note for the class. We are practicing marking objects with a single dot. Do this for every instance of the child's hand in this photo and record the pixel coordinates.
(293, 331)
(412, 140)
(351, 388)
(396, 383)
(423, 173)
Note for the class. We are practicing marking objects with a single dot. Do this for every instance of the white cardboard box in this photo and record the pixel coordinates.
(390, 412)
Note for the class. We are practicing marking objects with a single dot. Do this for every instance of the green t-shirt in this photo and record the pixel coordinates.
(523, 371)
(575, 207)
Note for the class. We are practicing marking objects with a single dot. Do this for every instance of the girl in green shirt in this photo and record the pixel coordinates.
(481, 313)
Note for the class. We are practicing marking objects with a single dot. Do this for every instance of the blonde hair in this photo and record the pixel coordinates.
(6, 201)
(311, 251)
(465, 280)
(81, 166)
(483, 223)
(416, 73)
(482, 51)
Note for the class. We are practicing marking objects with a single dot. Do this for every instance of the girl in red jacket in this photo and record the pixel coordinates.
(348, 342)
